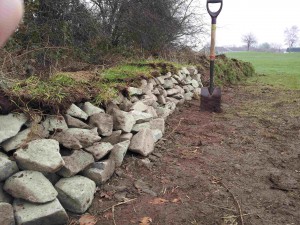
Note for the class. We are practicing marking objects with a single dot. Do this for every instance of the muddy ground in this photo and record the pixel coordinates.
(238, 167)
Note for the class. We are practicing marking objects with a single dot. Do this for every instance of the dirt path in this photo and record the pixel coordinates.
(238, 167)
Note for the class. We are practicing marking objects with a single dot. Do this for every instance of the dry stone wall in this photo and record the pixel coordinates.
(52, 165)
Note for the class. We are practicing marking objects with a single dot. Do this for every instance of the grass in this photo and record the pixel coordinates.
(275, 69)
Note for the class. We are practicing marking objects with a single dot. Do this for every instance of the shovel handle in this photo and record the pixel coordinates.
(214, 15)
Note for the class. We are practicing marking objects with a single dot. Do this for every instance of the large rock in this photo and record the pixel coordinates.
(114, 138)
(30, 134)
(157, 134)
(149, 99)
(123, 120)
(10, 125)
(99, 150)
(75, 162)
(6, 214)
(125, 105)
(134, 91)
(168, 84)
(53, 123)
(76, 193)
(75, 138)
(151, 111)
(4, 196)
(75, 111)
(195, 83)
(7, 167)
(125, 137)
(158, 123)
(137, 127)
(118, 152)
(103, 122)
(100, 172)
(139, 106)
(75, 123)
(40, 155)
(90, 109)
(51, 213)
(142, 142)
(141, 117)
(31, 186)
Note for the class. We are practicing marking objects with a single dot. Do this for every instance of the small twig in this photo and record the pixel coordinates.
(236, 201)
(120, 203)
(229, 217)
(216, 206)
(172, 132)
(113, 214)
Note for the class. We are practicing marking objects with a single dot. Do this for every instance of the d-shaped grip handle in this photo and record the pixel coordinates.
(214, 14)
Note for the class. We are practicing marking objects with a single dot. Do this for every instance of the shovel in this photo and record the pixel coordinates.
(211, 96)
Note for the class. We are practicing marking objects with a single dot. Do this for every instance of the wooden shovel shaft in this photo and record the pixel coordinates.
(212, 54)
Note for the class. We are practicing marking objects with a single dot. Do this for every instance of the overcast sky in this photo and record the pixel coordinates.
(266, 19)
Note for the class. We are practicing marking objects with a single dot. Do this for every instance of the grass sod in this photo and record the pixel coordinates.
(275, 69)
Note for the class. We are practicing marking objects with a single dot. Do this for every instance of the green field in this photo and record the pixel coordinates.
(276, 69)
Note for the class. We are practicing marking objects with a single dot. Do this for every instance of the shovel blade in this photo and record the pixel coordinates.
(210, 102)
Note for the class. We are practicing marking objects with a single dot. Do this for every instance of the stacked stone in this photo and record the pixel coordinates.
(53, 164)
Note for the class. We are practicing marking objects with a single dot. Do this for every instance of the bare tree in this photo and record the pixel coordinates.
(249, 40)
(291, 36)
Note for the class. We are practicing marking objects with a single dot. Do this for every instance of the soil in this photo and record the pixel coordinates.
(241, 166)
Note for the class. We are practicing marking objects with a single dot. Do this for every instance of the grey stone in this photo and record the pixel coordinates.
(184, 70)
(139, 106)
(192, 70)
(174, 80)
(197, 93)
(123, 120)
(31, 186)
(6, 214)
(137, 127)
(103, 122)
(163, 112)
(75, 111)
(100, 172)
(134, 91)
(155, 91)
(180, 89)
(188, 96)
(126, 137)
(75, 123)
(141, 117)
(51, 213)
(77, 161)
(172, 91)
(134, 99)
(7, 168)
(100, 149)
(178, 96)
(53, 123)
(161, 80)
(168, 84)
(76, 138)
(111, 107)
(118, 152)
(117, 100)
(90, 109)
(158, 123)
(149, 99)
(161, 99)
(142, 142)
(40, 155)
(4, 196)
(173, 100)
(195, 83)
(151, 111)
(10, 125)
(76, 193)
(114, 138)
(30, 134)
(157, 135)
(125, 105)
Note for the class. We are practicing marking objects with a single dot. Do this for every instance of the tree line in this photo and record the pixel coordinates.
(93, 27)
